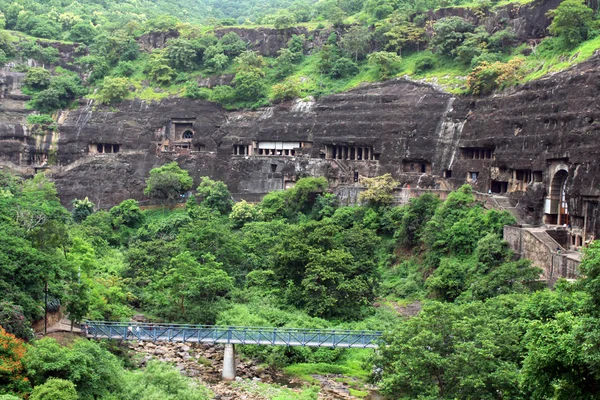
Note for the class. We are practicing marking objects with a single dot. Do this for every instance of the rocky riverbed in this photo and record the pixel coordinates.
(204, 362)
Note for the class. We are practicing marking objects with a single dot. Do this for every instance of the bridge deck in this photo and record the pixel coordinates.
(231, 335)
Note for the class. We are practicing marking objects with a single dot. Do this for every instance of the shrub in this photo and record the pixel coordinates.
(41, 119)
(12, 372)
(425, 63)
(343, 67)
(113, 90)
(385, 63)
(286, 90)
(486, 77)
(124, 69)
(82, 209)
(37, 78)
(193, 91)
(223, 94)
(55, 389)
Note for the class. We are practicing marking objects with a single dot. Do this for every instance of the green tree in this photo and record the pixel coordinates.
(283, 19)
(385, 63)
(162, 381)
(55, 389)
(82, 209)
(286, 90)
(167, 183)
(403, 35)
(356, 41)
(343, 67)
(426, 355)
(82, 32)
(127, 213)
(159, 69)
(249, 85)
(284, 63)
(37, 78)
(215, 195)
(379, 190)
(243, 213)
(94, 371)
(182, 54)
(450, 33)
(188, 283)
(113, 90)
(571, 22)
(335, 286)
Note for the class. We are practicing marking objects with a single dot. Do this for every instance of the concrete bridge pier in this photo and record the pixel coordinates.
(229, 362)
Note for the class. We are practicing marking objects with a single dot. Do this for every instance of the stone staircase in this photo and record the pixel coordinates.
(503, 203)
(547, 240)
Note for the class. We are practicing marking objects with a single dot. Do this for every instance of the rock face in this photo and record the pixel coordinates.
(528, 21)
(534, 146)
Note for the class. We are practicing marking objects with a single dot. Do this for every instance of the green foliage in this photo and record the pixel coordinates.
(287, 90)
(355, 42)
(159, 69)
(162, 381)
(379, 190)
(215, 195)
(571, 22)
(283, 19)
(243, 213)
(193, 91)
(55, 389)
(62, 90)
(127, 213)
(124, 69)
(404, 35)
(37, 79)
(82, 209)
(43, 119)
(249, 85)
(426, 354)
(113, 90)
(485, 77)
(94, 371)
(167, 183)
(186, 290)
(450, 33)
(385, 63)
(343, 67)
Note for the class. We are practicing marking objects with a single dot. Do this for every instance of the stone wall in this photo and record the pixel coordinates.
(542, 253)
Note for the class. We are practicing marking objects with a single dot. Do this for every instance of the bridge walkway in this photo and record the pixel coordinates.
(231, 335)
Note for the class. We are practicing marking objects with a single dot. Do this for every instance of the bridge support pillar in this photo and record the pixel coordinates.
(229, 362)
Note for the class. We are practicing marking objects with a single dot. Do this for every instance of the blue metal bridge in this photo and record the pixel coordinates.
(231, 335)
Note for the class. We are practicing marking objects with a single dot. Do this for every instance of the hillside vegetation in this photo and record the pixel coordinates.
(348, 42)
(487, 327)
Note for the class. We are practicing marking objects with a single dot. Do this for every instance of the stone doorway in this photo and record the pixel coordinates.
(557, 209)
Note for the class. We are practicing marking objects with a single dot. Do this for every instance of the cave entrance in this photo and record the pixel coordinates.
(499, 186)
(557, 210)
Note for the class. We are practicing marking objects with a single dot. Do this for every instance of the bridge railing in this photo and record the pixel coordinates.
(231, 334)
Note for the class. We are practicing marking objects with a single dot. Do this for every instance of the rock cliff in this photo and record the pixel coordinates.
(535, 145)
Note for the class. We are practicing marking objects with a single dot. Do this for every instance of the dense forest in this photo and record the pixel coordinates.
(487, 328)
(346, 43)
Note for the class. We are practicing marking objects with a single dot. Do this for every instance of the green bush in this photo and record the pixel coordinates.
(55, 389)
(113, 90)
(425, 62)
(37, 78)
(41, 119)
